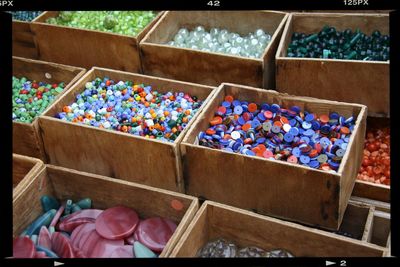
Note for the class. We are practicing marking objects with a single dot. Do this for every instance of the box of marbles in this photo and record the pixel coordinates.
(343, 57)
(65, 213)
(287, 156)
(123, 125)
(107, 39)
(373, 179)
(211, 47)
(222, 231)
(23, 40)
(36, 84)
(24, 169)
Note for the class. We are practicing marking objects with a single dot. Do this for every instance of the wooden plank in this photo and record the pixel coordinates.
(87, 48)
(210, 68)
(26, 138)
(101, 151)
(244, 228)
(105, 192)
(24, 170)
(379, 205)
(327, 193)
(369, 225)
(23, 40)
(343, 80)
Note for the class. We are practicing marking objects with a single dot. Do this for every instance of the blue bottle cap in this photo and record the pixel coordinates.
(338, 142)
(293, 122)
(309, 117)
(295, 109)
(216, 136)
(294, 131)
(241, 120)
(304, 159)
(340, 152)
(325, 142)
(306, 125)
(255, 123)
(314, 164)
(334, 116)
(288, 137)
(296, 152)
(250, 153)
(309, 133)
(201, 135)
(349, 120)
(315, 125)
(236, 103)
(275, 108)
(261, 140)
(238, 110)
(261, 117)
(305, 139)
(344, 146)
(226, 104)
(265, 107)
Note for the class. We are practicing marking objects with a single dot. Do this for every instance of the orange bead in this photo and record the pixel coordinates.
(185, 119)
(229, 98)
(246, 127)
(324, 118)
(252, 107)
(166, 113)
(216, 120)
(124, 128)
(187, 112)
(174, 130)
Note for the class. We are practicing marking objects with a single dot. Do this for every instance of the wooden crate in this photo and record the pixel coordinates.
(365, 82)
(23, 40)
(113, 153)
(88, 48)
(63, 184)
(277, 188)
(245, 228)
(24, 170)
(26, 139)
(210, 68)
(372, 191)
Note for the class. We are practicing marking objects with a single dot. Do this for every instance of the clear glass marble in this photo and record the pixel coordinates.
(222, 41)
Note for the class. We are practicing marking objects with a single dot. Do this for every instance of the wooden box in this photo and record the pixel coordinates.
(26, 140)
(105, 192)
(372, 191)
(24, 169)
(364, 82)
(245, 228)
(113, 153)
(23, 40)
(211, 68)
(88, 48)
(273, 187)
